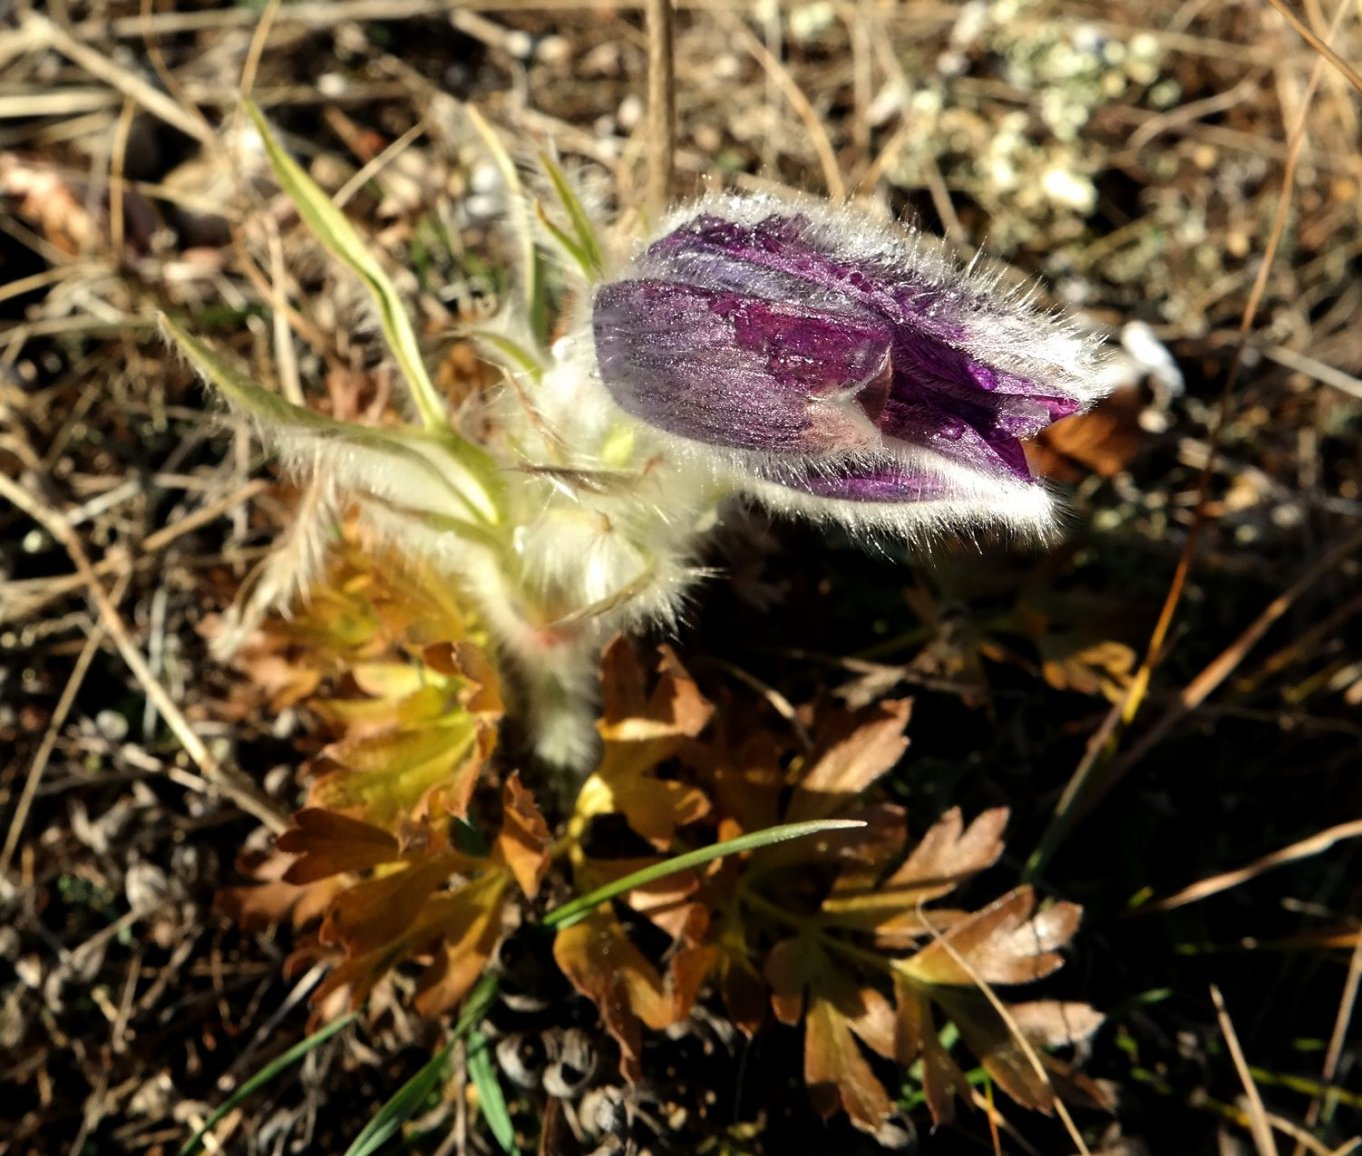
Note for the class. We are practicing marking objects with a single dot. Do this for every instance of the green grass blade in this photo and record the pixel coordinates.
(491, 1102)
(263, 1077)
(568, 244)
(588, 242)
(476, 1005)
(333, 229)
(578, 909)
(403, 1105)
(407, 1100)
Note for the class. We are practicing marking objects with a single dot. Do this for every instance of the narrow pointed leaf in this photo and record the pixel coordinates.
(334, 230)
(263, 1077)
(587, 242)
(491, 1101)
(579, 909)
(281, 418)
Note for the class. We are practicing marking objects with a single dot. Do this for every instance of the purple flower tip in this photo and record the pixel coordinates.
(833, 358)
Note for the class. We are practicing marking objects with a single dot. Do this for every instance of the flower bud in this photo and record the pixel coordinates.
(839, 368)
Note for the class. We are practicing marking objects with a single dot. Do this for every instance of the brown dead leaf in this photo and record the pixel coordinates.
(462, 928)
(271, 898)
(1102, 441)
(1105, 667)
(1003, 943)
(890, 909)
(1052, 1023)
(642, 728)
(637, 707)
(327, 843)
(524, 841)
(378, 911)
(852, 750)
(470, 932)
(603, 964)
(916, 1038)
(837, 1011)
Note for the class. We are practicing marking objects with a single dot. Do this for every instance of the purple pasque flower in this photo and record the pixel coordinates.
(839, 367)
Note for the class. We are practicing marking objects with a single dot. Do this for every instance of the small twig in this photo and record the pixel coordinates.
(129, 84)
(1346, 1004)
(813, 123)
(259, 38)
(376, 165)
(49, 740)
(1225, 880)
(1324, 374)
(661, 19)
(1313, 39)
(117, 179)
(231, 783)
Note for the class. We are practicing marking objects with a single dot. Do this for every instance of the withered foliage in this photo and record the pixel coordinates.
(851, 933)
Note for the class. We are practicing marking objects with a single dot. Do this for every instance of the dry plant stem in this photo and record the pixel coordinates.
(998, 1123)
(231, 783)
(377, 164)
(1324, 374)
(1159, 637)
(285, 357)
(1082, 794)
(1342, 1020)
(1025, 1045)
(45, 590)
(1304, 1141)
(1085, 789)
(661, 20)
(259, 39)
(1259, 1125)
(1225, 880)
(1309, 35)
(49, 740)
(813, 123)
(117, 180)
(44, 32)
(1220, 668)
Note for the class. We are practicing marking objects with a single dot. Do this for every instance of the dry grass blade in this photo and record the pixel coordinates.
(1260, 1126)
(1096, 775)
(808, 115)
(661, 106)
(44, 32)
(1347, 1004)
(1214, 675)
(1311, 37)
(1314, 845)
(1084, 790)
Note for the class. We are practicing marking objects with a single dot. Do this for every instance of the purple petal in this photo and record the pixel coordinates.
(885, 482)
(731, 370)
(780, 335)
